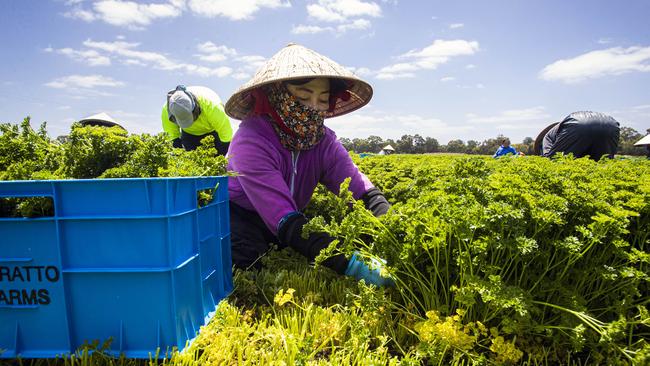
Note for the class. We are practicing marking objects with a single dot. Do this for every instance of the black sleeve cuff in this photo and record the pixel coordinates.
(375, 202)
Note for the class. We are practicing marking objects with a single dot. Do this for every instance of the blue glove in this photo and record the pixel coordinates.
(361, 271)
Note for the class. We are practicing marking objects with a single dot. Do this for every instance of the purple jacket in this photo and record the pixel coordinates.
(275, 181)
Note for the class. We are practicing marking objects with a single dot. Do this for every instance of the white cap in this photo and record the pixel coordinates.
(181, 107)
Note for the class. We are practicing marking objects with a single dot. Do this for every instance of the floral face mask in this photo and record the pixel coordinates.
(306, 124)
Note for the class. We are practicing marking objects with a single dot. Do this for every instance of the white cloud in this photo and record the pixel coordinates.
(89, 57)
(214, 57)
(360, 71)
(363, 71)
(210, 52)
(342, 10)
(351, 15)
(357, 24)
(136, 15)
(393, 76)
(83, 81)
(233, 9)
(470, 66)
(159, 61)
(241, 75)
(121, 13)
(128, 13)
(397, 71)
(440, 50)
(203, 71)
(430, 57)
(253, 61)
(604, 40)
(248, 65)
(310, 29)
(447, 78)
(400, 68)
(128, 50)
(78, 13)
(456, 25)
(209, 47)
(128, 53)
(527, 115)
(595, 64)
(133, 62)
(116, 47)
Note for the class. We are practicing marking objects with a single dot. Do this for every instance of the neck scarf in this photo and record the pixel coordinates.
(302, 127)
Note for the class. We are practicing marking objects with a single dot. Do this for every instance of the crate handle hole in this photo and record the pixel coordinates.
(30, 207)
(205, 196)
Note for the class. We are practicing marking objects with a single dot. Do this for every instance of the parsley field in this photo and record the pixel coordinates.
(510, 261)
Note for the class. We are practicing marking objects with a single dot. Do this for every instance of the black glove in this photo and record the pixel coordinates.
(290, 233)
(375, 202)
(177, 143)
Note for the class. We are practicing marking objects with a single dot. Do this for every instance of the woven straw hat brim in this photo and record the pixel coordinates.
(537, 147)
(298, 62)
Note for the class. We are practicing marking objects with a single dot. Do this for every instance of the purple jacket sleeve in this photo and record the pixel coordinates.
(261, 179)
(339, 166)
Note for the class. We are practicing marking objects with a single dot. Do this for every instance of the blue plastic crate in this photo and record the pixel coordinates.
(135, 260)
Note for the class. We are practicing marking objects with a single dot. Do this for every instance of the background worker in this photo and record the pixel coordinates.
(192, 113)
(584, 133)
(282, 151)
(505, 148)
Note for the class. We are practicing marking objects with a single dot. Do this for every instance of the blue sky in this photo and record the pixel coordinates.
(445, 69)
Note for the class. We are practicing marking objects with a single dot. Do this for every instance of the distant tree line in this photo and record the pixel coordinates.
(416, 144)
(626, 142)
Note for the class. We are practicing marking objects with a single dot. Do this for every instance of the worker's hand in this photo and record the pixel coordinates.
(177, 143)
(290, 233)
(371, 274)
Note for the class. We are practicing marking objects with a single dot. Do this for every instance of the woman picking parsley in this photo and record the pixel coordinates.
(282, 150)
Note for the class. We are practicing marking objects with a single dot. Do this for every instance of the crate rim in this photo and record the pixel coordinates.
(112, 179)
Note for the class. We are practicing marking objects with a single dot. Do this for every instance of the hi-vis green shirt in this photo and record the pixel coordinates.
(212, 117)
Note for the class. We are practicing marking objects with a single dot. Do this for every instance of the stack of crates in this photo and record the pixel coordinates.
(138, 261)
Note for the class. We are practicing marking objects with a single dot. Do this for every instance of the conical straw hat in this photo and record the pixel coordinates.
(100, 119)
(298, 62)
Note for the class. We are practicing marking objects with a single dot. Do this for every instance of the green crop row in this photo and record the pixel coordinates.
(511, 261)
(92, 152)
(516, 259)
